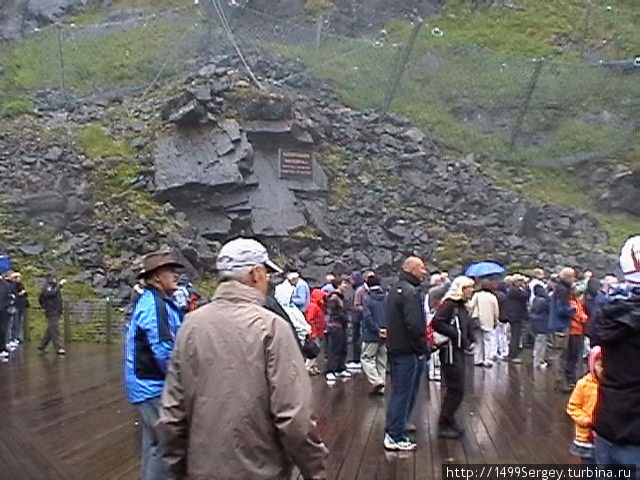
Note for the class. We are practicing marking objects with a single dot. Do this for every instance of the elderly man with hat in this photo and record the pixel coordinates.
(151, 336)
(237, 400)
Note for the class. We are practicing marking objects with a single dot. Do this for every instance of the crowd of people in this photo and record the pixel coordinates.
(195, 376)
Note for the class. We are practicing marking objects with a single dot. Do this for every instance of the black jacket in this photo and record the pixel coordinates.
(444, 322)
(617, 330)
(22, 301)
(51, 299)
(515, 304)
(5, 295)
(405, 318)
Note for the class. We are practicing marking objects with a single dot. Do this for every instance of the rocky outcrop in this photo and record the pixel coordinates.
(378, 188)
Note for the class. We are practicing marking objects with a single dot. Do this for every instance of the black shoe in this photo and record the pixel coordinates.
(449, 432)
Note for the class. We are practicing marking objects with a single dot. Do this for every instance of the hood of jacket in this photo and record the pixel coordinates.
(317, 296)
(377, 293)
(623, 306)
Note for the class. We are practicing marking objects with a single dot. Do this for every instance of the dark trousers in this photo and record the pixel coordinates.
(453, 382)
(4, 324)
(336, 350)
(607, 453)
(405, 371)
(357, 339)
(571, 356)
(51, 333)
(514, 343)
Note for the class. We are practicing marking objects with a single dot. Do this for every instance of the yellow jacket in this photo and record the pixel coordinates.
(581, 405)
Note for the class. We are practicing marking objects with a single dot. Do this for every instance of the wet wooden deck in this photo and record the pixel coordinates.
(67, 418)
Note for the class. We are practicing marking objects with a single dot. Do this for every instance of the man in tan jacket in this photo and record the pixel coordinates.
(237, 398)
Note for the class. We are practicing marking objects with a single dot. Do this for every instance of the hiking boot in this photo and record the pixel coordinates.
(61, 351)
(405, 445)
(331, 377)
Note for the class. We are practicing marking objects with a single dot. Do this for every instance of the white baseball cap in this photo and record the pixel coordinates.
(630, 260)
(244, 252)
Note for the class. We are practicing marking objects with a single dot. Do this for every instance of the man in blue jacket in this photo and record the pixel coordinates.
(151, 335)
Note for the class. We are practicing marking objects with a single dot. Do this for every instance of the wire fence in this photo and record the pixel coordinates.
(534, 110)
(94, 321)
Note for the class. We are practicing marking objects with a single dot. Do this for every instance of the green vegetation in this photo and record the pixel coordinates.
(319, 8)
(96, 142)
(115, 174)
(13, 104)
(449, 252)
(535, 28)
(307, 233)
(468, 87)
(129, 57)
(206, 286)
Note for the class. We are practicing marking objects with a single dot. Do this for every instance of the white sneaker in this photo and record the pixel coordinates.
(331, 377)
(4, 360)
(402, 445)
(354, 365)
(343, 374)
(4, 354)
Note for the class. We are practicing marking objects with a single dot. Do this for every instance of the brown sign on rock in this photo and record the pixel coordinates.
(295, 163)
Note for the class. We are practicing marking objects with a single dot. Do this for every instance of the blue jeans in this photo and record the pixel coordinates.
(405, 371)
(608, 453)
(152, 466)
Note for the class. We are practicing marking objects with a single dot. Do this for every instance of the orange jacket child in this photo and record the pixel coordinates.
(581, 405)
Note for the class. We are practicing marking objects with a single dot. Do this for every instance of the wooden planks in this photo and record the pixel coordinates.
(67, 418)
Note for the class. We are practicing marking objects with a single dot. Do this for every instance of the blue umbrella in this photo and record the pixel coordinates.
(5, 263)
(483, 269)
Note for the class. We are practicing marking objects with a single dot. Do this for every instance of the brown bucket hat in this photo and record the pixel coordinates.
(156, 260)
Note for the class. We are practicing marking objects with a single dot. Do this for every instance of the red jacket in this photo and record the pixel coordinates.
(315, 313)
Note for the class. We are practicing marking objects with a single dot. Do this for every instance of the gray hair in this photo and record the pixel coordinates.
(238, 274)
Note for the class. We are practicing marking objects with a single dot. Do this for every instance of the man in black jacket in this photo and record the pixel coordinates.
(516, 313)
(51, 302)
(617, 330)
(406, 346)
